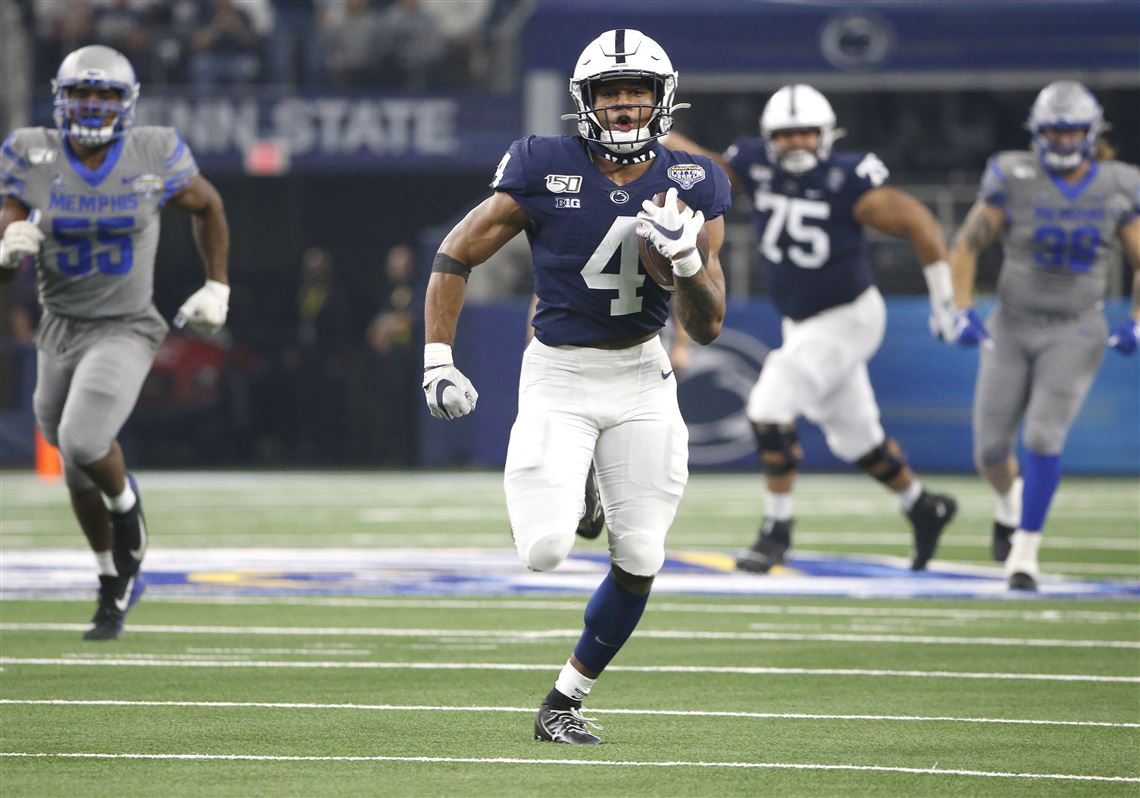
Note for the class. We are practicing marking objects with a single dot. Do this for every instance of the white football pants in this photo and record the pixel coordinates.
(820, 372)
(618, 407)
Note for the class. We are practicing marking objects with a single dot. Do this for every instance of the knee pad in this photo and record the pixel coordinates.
(82, 446)
(547, 551)
(639, 554)
(779, 446)
(884, 462)
(74, 477)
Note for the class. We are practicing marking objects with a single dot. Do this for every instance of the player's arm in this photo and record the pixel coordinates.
(18, 238)
(207, 307)
(896, 213)
(1124, 335)
(699, 299)
(983, 225)
(681, 142)
(480, 234)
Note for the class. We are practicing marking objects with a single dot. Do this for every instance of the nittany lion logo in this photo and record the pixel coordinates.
(686, 175)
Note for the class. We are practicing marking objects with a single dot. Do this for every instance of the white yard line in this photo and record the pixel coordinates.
(148, 661)
(573, 634)
(686, 713)
(1046, 616)
(932, 771)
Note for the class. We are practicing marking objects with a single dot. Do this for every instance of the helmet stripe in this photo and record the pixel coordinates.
(619, 45)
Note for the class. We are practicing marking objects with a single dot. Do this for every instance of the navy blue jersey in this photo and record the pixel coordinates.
(806, 231)
(587, 273)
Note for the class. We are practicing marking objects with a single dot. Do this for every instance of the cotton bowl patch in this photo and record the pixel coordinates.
(686, 175)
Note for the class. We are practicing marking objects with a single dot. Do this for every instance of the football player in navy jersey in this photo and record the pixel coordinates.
(810, 206)
(596, 382)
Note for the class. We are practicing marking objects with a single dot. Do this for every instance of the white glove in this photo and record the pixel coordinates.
(449, 394)
(943, 314)
(21, 239)
(206, 309)
(673, 232)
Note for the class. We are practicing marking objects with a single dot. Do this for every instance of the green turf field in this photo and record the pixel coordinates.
(218, 693)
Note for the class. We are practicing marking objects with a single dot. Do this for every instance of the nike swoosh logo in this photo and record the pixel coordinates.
(125, 602)
(665, 374)
(141, 550)
(131, 179)
(440, 387)
(672, 235)
(602, 642)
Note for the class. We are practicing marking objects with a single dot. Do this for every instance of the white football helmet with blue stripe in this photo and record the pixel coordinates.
(1065, 105)
(798, 107)
(623, 54)
(89, 121)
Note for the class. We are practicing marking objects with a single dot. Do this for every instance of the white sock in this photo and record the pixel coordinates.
(573, 684)
(106, 563)
(1007, 506)
(909, 495)
(778, 506)
(123, 502)
(1022, 557)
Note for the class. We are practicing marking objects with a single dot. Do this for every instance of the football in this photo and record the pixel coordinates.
(657, 266)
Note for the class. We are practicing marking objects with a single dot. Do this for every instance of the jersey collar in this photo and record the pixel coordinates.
(94, 176)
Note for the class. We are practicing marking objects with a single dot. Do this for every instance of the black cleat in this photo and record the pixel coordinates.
(116, 596)
(929, 516)
(564, 726)
(594, 520)
(1019, 580)
(130, 535)
(771, 547)
(1000, 545)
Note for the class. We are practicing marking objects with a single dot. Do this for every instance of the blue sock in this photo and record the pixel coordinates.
(1042, 474)
(611, 616)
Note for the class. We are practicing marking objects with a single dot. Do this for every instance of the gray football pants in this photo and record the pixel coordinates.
(1041, 369)
(89, 375)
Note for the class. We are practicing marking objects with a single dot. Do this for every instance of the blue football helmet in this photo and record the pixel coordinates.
(1065, 105)
(92, 122)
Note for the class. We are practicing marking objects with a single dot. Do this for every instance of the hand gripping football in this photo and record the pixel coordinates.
(657, 266)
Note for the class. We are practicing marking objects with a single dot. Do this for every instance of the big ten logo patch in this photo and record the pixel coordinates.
(567, 202)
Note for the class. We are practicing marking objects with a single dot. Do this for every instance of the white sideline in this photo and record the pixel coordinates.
(932, 771)
(685, 713)
(147, 661)
(574, 634)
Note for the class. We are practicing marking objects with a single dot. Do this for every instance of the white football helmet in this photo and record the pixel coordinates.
(623, 54)
(1065, 104)
(86, 121)
(798, 107)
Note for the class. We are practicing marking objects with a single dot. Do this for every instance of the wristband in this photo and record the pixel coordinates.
(938, 282)
(437, 355)
(688, 265)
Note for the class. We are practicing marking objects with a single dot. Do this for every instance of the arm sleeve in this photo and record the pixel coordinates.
(179, 166)
(13, 168)
(992, 190)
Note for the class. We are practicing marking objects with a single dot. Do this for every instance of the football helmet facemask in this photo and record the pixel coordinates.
(1065, 105)
(798, 107)
(623, 54)
(89, 121)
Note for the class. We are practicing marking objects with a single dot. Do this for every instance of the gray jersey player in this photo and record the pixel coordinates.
(1064, 212)
(83, 201)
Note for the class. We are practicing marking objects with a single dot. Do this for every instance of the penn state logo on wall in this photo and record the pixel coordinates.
(857, 40)
(713, 392)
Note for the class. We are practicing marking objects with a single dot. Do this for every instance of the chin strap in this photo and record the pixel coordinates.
(641, 156)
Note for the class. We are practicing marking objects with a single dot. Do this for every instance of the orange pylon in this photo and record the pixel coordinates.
(49, 465)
